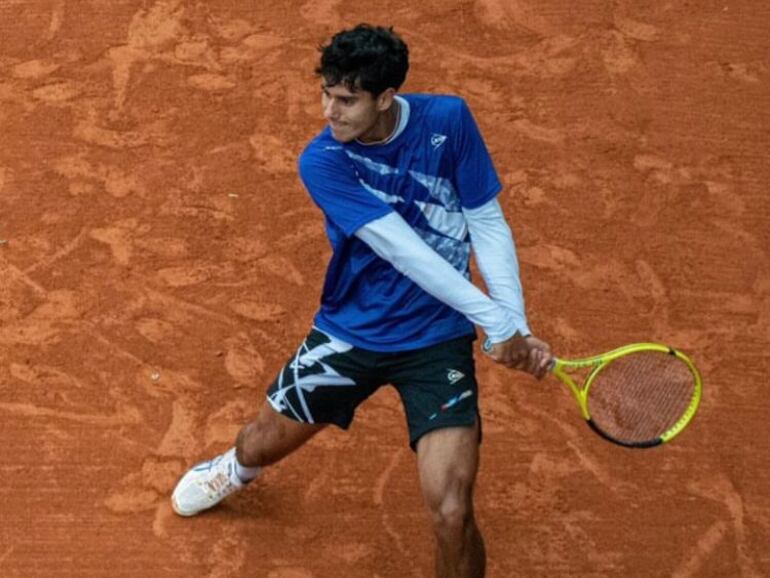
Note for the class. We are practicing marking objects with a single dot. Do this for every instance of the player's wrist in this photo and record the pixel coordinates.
(501, 335)
(490, 342)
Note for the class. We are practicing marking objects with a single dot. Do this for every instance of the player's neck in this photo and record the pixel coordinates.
(384, 127)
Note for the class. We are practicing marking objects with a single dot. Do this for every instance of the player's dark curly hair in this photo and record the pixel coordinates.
(372, 58)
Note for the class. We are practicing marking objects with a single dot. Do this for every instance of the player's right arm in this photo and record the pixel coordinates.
(392, 239)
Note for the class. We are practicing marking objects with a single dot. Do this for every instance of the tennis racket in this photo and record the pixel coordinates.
(638, 396)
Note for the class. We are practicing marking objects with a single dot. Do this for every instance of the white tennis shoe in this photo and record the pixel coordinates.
(206, 484)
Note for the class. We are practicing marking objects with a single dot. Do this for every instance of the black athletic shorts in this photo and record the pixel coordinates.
(327, 379)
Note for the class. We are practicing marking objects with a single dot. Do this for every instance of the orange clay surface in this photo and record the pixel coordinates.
(160, 260)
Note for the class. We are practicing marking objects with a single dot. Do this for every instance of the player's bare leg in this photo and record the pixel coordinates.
(264, 441)
(448, 460)
(271, 437)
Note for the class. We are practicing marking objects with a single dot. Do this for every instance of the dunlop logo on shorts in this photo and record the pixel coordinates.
(454, 376)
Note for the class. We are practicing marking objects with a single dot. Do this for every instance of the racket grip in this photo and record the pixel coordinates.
(487, 347)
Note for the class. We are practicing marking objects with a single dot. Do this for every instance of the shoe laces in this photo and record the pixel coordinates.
(221, 483)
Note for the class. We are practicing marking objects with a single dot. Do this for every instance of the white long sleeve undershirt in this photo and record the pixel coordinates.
(392, 239)
(495, 251)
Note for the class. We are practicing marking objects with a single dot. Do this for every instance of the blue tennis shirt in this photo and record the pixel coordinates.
(436, 166)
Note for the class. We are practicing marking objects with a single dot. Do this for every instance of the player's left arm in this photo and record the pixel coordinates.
(478, 185)
(495, 251)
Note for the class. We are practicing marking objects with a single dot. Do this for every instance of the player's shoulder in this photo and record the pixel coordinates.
(321, 150)
(442, 114)
(322, 144)
(436, 105)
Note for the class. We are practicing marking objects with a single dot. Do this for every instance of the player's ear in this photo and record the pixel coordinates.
(385, 99)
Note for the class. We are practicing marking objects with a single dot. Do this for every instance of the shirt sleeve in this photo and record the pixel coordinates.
(476, 178)
(495, 251)
(334, 185)
(392, 239)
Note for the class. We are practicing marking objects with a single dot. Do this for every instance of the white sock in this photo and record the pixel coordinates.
(245, 475)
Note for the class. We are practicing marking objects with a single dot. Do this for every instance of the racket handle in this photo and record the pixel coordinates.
(487, 347)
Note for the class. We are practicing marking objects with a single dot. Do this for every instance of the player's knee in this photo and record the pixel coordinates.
(452, 509)
(452, 518)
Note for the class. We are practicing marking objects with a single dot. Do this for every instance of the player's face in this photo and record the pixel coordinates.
(351, 114)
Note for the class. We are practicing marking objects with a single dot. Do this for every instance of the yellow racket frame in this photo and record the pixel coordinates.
(561, 368)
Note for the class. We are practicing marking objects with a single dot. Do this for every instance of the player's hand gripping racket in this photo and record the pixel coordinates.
(637, 396)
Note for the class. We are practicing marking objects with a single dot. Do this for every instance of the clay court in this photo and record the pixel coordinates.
(160, 260)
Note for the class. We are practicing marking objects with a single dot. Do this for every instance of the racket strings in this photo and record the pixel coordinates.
(640, 396)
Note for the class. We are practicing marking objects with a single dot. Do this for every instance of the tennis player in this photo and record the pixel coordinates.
(407, 189)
